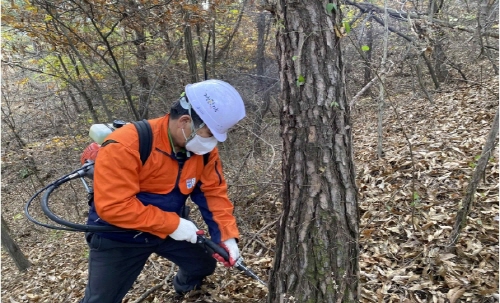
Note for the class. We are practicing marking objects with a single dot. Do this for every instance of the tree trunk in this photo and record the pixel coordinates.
(439, 57)
(420, 79)
(368, 54)
(8, 119)
(462, 214)
(74, 102)
(431, 70)
(261, 83)
(81, 89)
(190, 55)
(213, 14)
(439, 72)
(316, 258)
(142, 74)
(12, 248)
(225, 48)
(381, 98)
(202, 52)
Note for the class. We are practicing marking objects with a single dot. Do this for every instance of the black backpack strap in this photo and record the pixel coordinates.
(108, 142)
(205, 158)
(145, 139)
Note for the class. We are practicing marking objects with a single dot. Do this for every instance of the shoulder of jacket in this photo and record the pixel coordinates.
(214, 152)
(126, 135)
(156, 125)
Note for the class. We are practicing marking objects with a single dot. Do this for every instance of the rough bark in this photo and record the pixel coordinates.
(316, 257)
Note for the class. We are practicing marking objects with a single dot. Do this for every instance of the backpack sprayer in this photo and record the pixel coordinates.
(98, 132)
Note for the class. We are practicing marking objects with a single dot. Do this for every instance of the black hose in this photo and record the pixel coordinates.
(28, 204)
(28, 215)
(70, 226)
(74, 226)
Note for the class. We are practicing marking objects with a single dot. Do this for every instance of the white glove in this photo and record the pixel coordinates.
(234, 253)
(186, 231)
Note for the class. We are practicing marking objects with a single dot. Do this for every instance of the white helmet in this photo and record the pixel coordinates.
(218, 104)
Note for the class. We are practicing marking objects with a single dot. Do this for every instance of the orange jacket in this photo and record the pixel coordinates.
(119, 177)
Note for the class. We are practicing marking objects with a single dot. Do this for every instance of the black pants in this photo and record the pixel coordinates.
(114, 266)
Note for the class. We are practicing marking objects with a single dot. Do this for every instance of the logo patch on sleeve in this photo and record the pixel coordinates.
(190, 183)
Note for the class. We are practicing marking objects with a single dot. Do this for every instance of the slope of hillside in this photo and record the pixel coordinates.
(407, 212)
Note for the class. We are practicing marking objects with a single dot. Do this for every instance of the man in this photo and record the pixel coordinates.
(149, 199)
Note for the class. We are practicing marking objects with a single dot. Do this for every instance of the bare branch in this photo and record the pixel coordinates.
(394, 14)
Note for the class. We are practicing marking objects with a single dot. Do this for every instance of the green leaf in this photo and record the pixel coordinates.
(330, 7)
(301, 80)
(365, 48)
(347, 27)
(416, 197)
(25, 173)
(295, 58)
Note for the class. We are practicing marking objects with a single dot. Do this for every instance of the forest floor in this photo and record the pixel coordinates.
(407, 213)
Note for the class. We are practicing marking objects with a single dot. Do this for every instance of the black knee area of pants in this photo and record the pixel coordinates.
(189, 279)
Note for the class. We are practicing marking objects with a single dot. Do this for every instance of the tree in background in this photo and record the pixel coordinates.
(12, 248)
(316, 257)
(113, 56)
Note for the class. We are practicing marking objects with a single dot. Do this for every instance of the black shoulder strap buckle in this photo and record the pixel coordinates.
(145, 139)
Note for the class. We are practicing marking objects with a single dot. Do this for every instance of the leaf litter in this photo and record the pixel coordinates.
(404, 241)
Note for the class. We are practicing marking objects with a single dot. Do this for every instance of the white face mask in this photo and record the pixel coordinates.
(200, 145)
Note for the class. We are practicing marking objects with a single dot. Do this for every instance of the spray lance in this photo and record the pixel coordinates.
(212, 248)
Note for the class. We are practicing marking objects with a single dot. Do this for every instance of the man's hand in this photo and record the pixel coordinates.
(234, 253)
(186, 231)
